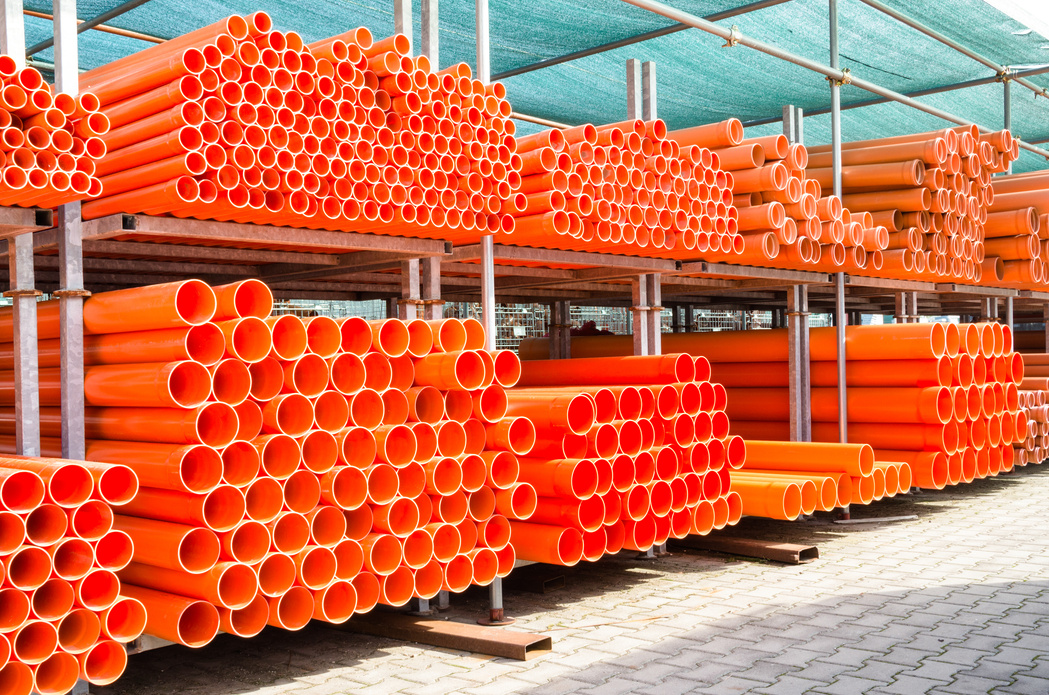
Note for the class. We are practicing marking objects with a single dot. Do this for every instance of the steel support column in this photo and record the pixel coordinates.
(639, 297)
(840, 322)
(433, 307)
(798, 363)
(835, 101)
(560, 330)
(70, 254)
(484, 65)
(402, 20)
(429, 43)
(408, 306)
(23, 291)
(794, 124)
(654, 314)
(1007, 111)
(496, 612)
(1045, 319)
(989, 309)
(1009, 313)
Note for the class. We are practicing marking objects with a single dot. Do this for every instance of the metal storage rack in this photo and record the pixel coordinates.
(71, 257)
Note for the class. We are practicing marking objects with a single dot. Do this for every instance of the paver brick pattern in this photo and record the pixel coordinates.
(955, 601)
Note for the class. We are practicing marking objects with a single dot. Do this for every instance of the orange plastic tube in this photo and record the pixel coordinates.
(188, 622)
(550, 414)
(855, 459)
(824, 374)
(544, 543)
(243, 299)
(246, 622)
(727, 133)
(204, 343)
(770, 499)
(220, 510)
(462, 370)
(910, 341)
(213, 424)
(666, 369)
(228, 584)
(173, 546)
(170, 305)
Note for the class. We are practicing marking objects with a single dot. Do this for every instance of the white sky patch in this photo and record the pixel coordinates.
(1033, 14)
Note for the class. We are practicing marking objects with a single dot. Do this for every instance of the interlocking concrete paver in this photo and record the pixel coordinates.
(956, 602)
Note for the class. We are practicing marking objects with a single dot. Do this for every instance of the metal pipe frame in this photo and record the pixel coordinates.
(735, 37)
(917, 93)
(402, 19)
(408, 307)
(839, 278)
(1009, 313)
(638, 38)
(840, 322)
(23, 290)
(88, 24)
(71, 255)
(798, 380)
(104, 28)
(429, 43)
(1007, 112)
(1002, 70)
(433, 307)
(560, 330)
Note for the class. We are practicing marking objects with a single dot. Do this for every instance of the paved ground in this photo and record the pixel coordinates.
(956, 601)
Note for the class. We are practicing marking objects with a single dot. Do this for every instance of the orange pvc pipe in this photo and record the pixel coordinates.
(189, 622)
(545, 543)
(770, 499)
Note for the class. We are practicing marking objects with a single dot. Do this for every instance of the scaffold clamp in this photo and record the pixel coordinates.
(734, 37)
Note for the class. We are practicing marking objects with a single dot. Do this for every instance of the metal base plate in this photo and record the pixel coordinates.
(496, 623)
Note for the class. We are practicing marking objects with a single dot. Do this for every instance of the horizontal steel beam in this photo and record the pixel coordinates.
(1002, 70)
(90, 24)
(979, 82)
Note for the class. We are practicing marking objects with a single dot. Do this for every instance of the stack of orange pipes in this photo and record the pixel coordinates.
(49, 143)
(238, 122)
(777, 210)
(630, 452)
(623, 187)
(292, 469)
(931, 191)
(940, 397)
(778, 480)
(1034, 395)
(1017, 232)
(62, 615)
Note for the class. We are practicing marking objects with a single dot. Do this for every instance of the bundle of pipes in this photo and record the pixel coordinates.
(624, 187)
(62, 615)
(49, 143)
(241, 123)
(931, 192)
(804, 477)
(942, 398)
(1034, 396)
(291, 469)
(629, 452)
(1017, 232)
(779, 220)
(778, 480)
